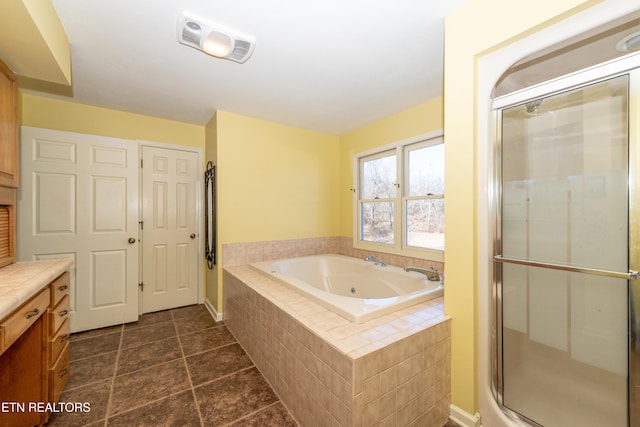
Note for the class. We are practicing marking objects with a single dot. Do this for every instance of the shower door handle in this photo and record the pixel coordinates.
(631, 275)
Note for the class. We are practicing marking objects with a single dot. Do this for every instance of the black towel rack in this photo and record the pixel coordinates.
(210, 214)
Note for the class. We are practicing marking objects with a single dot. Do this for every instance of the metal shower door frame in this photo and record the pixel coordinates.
(634, 247)
(630, 66)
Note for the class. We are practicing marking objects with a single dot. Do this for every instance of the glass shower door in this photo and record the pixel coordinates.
(562, 263)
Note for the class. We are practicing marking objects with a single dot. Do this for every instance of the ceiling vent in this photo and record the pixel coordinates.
(214, 40)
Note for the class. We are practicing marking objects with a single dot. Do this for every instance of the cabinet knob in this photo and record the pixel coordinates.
(32, 313)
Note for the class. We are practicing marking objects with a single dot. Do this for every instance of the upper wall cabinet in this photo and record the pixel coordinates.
(8, 128)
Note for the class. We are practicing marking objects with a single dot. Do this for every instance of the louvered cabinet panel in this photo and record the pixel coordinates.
(4, 232)
(7, 226)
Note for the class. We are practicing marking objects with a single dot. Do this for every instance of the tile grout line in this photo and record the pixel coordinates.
(142, 405)
(211, 349)
(93, 356)
(113, 377)
(186, 366)
(246, 416)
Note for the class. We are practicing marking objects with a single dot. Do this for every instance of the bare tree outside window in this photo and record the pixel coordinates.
(401, 203)
(379, 176)
(425, 197)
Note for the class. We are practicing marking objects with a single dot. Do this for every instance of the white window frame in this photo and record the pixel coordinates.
(399, 247)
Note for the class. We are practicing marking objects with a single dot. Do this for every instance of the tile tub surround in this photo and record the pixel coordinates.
(394, 370)
(236, 254)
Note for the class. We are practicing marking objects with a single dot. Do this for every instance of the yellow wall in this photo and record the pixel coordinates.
(39, 111)
(275, 182)
(33, 42)
(211, 155)
(414, 121)
(475, 29)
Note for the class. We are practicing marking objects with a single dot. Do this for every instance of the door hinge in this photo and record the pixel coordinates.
(141, 163)
(141, 284)
(141, 225)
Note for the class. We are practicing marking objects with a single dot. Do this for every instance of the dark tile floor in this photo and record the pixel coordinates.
(171, 368)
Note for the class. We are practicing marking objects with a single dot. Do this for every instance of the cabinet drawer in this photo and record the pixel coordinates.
(13, 326)
(60, 288)
(59, 375)
(59, 341)
(59, 314)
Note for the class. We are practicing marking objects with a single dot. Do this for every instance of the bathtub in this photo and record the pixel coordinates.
(350, 287)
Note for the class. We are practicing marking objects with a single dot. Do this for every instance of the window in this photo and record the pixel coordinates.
(378, 194)
(424, 195)
(400, 197)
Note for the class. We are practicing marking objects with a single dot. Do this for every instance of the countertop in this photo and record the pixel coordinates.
(22, 280)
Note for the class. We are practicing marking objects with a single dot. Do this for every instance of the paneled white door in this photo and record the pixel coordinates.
(169, 231)
(78, 198)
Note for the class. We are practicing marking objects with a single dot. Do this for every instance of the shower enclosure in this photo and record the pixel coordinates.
(566, 251)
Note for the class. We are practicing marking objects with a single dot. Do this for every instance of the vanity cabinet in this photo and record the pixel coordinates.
(34, 347)
(23, 374)
(59, 334)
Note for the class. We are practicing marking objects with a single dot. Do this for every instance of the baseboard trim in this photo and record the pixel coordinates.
(218, 317)
(464, 418)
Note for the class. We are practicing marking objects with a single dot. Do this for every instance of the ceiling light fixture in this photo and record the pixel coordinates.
(630, 43)
(214, 40)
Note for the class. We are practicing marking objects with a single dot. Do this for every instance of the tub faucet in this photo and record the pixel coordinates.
(376, 260)
(432, 274)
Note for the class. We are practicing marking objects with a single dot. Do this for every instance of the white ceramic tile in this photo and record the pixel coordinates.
(22, 280)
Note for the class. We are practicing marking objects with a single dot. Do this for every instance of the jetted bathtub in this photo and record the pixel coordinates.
(355, 289)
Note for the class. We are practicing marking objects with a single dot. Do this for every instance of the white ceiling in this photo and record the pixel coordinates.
(330, 65)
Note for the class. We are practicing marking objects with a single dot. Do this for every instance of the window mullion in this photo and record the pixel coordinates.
(398, 208)
(405, 195)
(377, 199)
(426, 197)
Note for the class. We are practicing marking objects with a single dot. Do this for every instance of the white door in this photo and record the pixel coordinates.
(78, 198)
(169, 229)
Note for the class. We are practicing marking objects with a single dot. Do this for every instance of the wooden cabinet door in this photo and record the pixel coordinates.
(8, 128)
(23, 377)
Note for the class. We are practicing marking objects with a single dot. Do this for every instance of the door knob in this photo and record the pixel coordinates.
(193, 235)
(131, 240)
